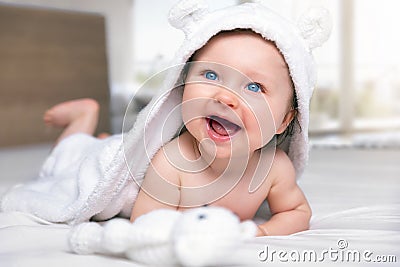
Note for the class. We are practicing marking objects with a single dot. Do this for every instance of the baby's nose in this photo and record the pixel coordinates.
(227, 97)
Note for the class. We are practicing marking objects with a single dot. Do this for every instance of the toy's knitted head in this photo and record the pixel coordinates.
(207, 236)
(295, 42)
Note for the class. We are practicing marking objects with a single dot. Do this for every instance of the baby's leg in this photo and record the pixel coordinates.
(76, 116)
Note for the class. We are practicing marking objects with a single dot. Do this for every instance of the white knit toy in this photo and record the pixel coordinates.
(197, 237)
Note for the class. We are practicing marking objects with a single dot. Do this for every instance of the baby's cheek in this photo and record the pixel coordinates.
(262, 124)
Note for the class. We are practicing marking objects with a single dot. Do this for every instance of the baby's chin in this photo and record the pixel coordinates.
(229, 153)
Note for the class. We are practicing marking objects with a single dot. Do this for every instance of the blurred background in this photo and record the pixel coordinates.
(358, 89)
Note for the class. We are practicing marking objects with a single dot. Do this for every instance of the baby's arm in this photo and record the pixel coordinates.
(290, 210)
(160, 187)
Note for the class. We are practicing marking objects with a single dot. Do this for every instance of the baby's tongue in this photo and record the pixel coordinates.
(223, 127)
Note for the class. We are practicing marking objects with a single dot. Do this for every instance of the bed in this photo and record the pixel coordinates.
(353, 193)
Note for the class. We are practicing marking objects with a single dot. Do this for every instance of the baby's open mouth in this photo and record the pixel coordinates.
(222, 127)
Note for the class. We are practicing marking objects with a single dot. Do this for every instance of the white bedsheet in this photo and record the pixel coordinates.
(354, 195)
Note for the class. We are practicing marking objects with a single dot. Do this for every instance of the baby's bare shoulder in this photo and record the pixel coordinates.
(181, 144)
(161, 165)
(282, 166)
(168, 159)
(184, 145)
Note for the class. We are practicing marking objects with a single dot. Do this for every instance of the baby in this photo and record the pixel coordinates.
(246, 88)
(233, 120)
(258, 59)
(229, 122)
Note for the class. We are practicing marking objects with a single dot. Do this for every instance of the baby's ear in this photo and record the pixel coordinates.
(290, 115)
(248, 229)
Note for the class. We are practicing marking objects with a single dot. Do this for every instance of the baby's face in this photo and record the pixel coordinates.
(237, 94)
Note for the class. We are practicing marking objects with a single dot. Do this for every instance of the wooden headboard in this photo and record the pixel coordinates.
(46, 57)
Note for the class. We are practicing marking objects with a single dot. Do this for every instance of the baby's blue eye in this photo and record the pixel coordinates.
(254, 87)
(211, 75)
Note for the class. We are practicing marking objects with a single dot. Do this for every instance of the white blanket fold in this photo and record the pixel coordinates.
(76, 183)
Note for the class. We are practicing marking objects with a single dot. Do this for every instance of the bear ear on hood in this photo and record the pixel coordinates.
(315, 26)
(186, 13)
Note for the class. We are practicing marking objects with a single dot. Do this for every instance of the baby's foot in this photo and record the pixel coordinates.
(63, 114)
(76, 116)
(103, 135)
